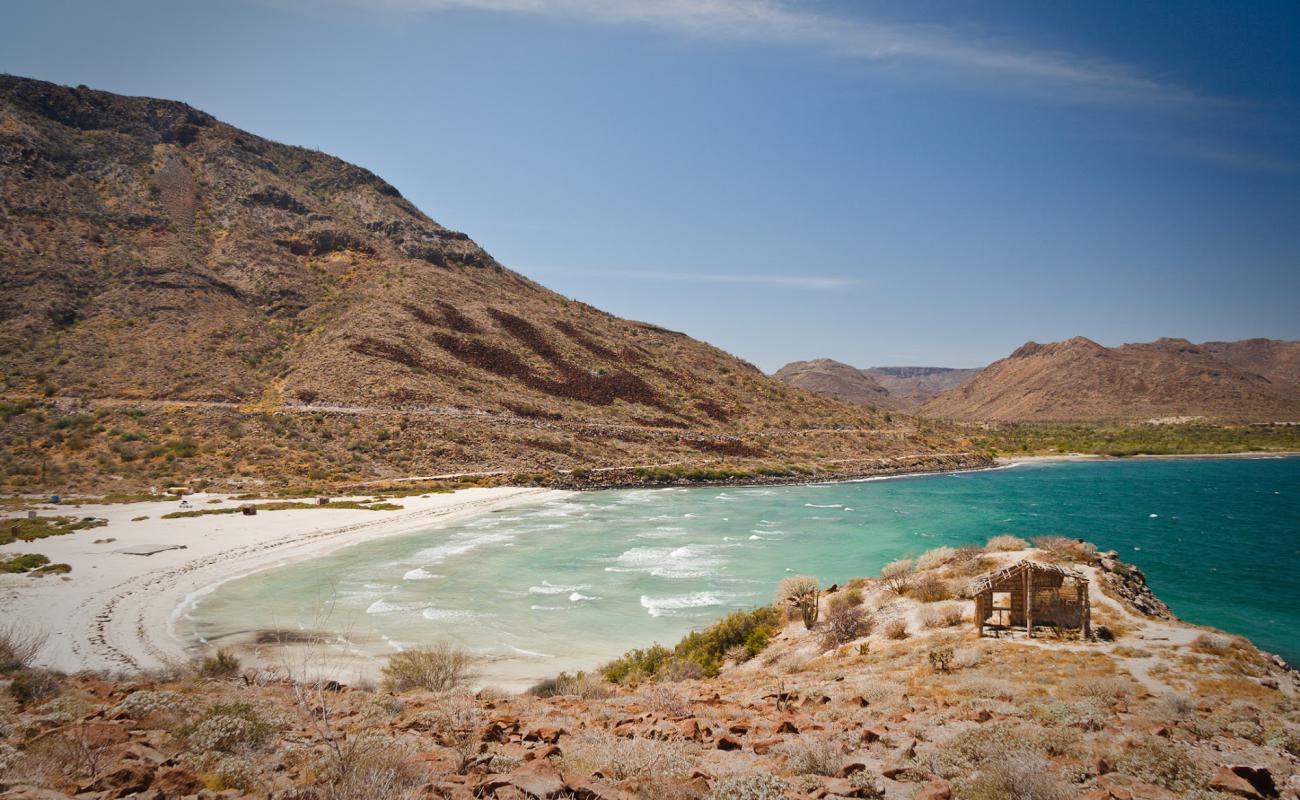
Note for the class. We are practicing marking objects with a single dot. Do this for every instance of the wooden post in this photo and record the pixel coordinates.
(1029, 602)
(1087, 610)
(979, 613)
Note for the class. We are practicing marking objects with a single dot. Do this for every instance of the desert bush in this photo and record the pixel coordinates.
(1212, 643)
(19, 645)
(1285, 738)
(929, 589)
(897, 574)
(896, 629)
(1061, 548)
(738, 654)
(847, 597)
(221, 664)
(1176, 707)
(1107, 690)
(666, 700)
(619, 759)
(438, 668)
(1163, 763)
(33, 685)
(9, 757)
(582, 684)
(845, 623)
(228, 727)
(756, 786)
(146, 702)
(1016, 778)
(1006, 543)
(936, 557)
(944, 615)
(813, 755)
(940, 659)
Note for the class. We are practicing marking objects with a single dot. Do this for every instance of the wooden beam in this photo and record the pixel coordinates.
(1029, 602)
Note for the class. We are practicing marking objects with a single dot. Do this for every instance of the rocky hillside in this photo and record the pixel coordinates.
(1080, 380)
(890, 694)
(838, 380)
(151, 255)
(901, 388)
(914, 386)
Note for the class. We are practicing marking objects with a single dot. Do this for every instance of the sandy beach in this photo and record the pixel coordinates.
(116, 611)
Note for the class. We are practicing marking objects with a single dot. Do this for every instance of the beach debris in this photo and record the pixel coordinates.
(148, 549)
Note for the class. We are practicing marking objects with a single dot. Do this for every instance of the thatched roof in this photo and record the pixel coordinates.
(987, 581)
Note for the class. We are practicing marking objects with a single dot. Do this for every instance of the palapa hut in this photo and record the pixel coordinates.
(1028, 594)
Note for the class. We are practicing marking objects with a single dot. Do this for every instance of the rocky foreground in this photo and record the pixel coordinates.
(889, 694)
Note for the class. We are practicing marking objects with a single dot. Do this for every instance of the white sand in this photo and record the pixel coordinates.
(116, 611)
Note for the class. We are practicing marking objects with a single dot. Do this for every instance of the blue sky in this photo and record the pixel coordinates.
(905, 183)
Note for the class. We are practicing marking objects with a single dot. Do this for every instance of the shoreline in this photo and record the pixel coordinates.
(1067, 457)
(117, 612)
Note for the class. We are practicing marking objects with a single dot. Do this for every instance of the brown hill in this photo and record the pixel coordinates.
(902, 388)
(150, 253)
(1276, 360)
(837, 379)
(1080, 380)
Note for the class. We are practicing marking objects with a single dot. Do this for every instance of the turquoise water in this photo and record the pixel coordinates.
(568, 583)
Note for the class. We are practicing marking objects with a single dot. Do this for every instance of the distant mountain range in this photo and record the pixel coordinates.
(1079, 380)
(902, 388)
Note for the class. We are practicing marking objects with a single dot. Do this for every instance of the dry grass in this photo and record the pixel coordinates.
(1063, 549)
(896, 575)
(19, 645)
(896, 629)
(619, 759)
(937, 557)
(943, 615)
(929, 588)
(813, 755)
(1006, 543)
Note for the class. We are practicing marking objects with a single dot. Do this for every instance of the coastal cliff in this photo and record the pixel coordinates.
(889, 693)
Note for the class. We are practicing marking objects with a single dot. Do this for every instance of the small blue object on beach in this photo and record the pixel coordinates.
(54, 499)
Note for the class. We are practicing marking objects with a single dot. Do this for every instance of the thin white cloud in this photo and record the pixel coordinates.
(793, 23)
(819, 283)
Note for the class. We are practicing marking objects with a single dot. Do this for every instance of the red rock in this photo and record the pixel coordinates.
(851, 766)
(129, 777)
(547, 734)
(728, 743)
(763, 746)
(787, 726)
(1244, 781)
(548, 751)
(739, 728)
(937, 789)
(874, 734)
(177, 782)
(690, 729)
(33, 793)
(587, 789)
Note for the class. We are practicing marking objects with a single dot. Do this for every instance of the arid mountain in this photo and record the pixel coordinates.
(152, 254)
(902, 388)
(1080, 380)
(1276, 360)
(837, 379)
(912, 387)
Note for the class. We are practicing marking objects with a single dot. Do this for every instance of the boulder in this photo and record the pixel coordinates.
(1244, 781)
(764, 746)
(1125, 787)
(129, 777)
(728, 743)
(936, 789)
(177, 782)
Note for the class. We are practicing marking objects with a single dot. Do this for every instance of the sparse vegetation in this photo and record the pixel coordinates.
(702, 652)
(221, 664)
(437, 668)
(19, 645)
(897, 575)
(1006, 543)
(844, 624)
(26, 530)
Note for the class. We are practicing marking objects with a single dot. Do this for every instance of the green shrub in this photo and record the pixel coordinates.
(941, 659)
(438, 668)
(24, 562)
(32, 685)
(227, 727)
(221, 664)
(699, 653)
